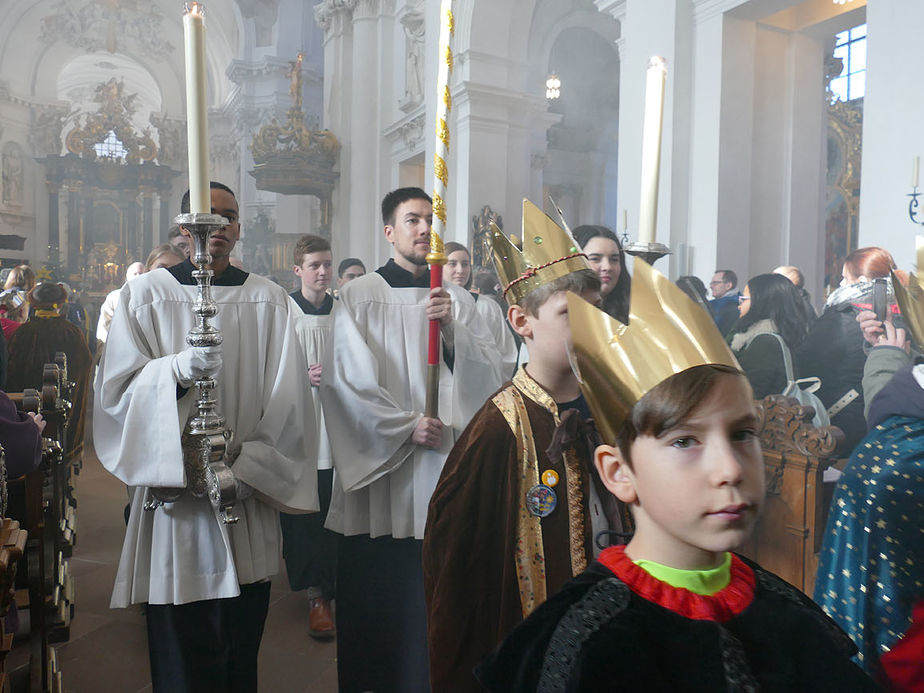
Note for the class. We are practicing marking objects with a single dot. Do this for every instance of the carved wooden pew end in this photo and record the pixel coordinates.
(788, 535)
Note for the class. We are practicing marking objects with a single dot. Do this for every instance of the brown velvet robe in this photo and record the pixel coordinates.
(482, 574)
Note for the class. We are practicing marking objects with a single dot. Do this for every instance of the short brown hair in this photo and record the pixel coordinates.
(308, 244)
(578, 282)
(669, 403)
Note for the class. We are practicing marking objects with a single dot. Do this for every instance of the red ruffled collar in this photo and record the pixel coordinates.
(721, 606)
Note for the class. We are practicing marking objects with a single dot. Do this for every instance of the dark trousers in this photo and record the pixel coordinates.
(381, 616)
(310, 551)
(210, 645)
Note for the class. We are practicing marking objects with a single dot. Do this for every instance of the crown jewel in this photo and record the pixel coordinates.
(548, 253)
(618, 364)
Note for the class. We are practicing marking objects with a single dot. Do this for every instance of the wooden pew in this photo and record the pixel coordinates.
(788, 535)
(50, 519)
(12, 547)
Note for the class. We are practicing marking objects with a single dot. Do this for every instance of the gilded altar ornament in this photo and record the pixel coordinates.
(292, 159)
(548, 252)
(618, 364)
(116, 108)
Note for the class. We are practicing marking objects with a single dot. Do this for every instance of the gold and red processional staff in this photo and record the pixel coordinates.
(436, 258)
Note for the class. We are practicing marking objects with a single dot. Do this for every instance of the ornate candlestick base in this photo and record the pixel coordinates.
(206, 439)
(649, 252)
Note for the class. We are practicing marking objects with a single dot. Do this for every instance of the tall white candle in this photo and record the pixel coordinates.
(651, 148)
(197, 132)
(915, 170)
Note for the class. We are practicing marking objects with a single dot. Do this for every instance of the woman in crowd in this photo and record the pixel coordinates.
(164, 255)
(695, 289)
(459, 272)
(20, 277)
(768, 306)
(609, 261)
(833, 350)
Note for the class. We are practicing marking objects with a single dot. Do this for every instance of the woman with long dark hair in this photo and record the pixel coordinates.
(609, 261)
(769, 305)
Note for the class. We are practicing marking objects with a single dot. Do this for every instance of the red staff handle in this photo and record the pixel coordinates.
(433, 351)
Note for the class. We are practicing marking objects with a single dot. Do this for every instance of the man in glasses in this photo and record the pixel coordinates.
(724, 303)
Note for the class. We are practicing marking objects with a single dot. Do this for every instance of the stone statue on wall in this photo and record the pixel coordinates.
(45, 131)
(171, 144)
(413, 23)
(14, 174)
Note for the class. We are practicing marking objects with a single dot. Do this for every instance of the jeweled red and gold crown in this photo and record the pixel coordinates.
(548, 252)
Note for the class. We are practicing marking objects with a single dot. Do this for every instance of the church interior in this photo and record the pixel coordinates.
(787, 139)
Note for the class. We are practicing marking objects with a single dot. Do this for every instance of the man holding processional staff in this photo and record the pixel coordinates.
(389, 445)
(204, 576)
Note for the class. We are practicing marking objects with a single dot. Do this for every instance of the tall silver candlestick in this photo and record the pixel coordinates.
(206, 438)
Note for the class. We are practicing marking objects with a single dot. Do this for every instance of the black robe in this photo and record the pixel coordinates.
(33, 345)
(599, 634)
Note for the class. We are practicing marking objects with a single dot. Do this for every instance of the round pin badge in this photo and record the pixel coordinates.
(541, 500)
(550, 478)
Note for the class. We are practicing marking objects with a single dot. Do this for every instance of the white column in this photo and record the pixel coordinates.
(892, 132)
(336, 21)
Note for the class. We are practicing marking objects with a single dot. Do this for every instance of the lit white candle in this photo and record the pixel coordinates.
(915, 170)
(197, 132)
(651, 149)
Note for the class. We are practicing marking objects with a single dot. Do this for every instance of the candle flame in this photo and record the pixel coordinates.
(196, 9)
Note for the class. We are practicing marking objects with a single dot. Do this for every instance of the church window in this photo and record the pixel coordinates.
(111, 148)
(850, 46)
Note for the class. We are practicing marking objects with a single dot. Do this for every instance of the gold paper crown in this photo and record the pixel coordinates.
(618, 364)
(911, 304)
(548, 253)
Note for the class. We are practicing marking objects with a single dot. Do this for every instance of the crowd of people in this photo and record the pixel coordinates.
(553, 506)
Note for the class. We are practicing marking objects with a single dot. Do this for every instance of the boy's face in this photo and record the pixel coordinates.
(316, 271)
(548, 333)
(696, 490)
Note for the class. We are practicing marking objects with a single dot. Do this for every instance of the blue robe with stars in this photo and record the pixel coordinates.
(871, 567)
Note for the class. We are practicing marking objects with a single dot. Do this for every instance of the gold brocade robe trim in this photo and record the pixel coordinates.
(530, 554)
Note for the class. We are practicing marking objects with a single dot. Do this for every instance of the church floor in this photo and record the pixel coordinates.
(107, 650)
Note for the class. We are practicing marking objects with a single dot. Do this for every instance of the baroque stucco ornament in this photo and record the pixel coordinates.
(116, 26)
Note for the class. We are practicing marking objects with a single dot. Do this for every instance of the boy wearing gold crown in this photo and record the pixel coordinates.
(673, 610)
(509, 522)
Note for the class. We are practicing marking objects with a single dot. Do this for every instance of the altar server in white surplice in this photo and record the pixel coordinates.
(387, 454)
(309, 549)
(206, 583)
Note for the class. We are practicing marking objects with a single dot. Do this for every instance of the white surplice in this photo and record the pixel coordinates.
(182, 552)
(494, 317)
(314, 333)
(374, 392)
